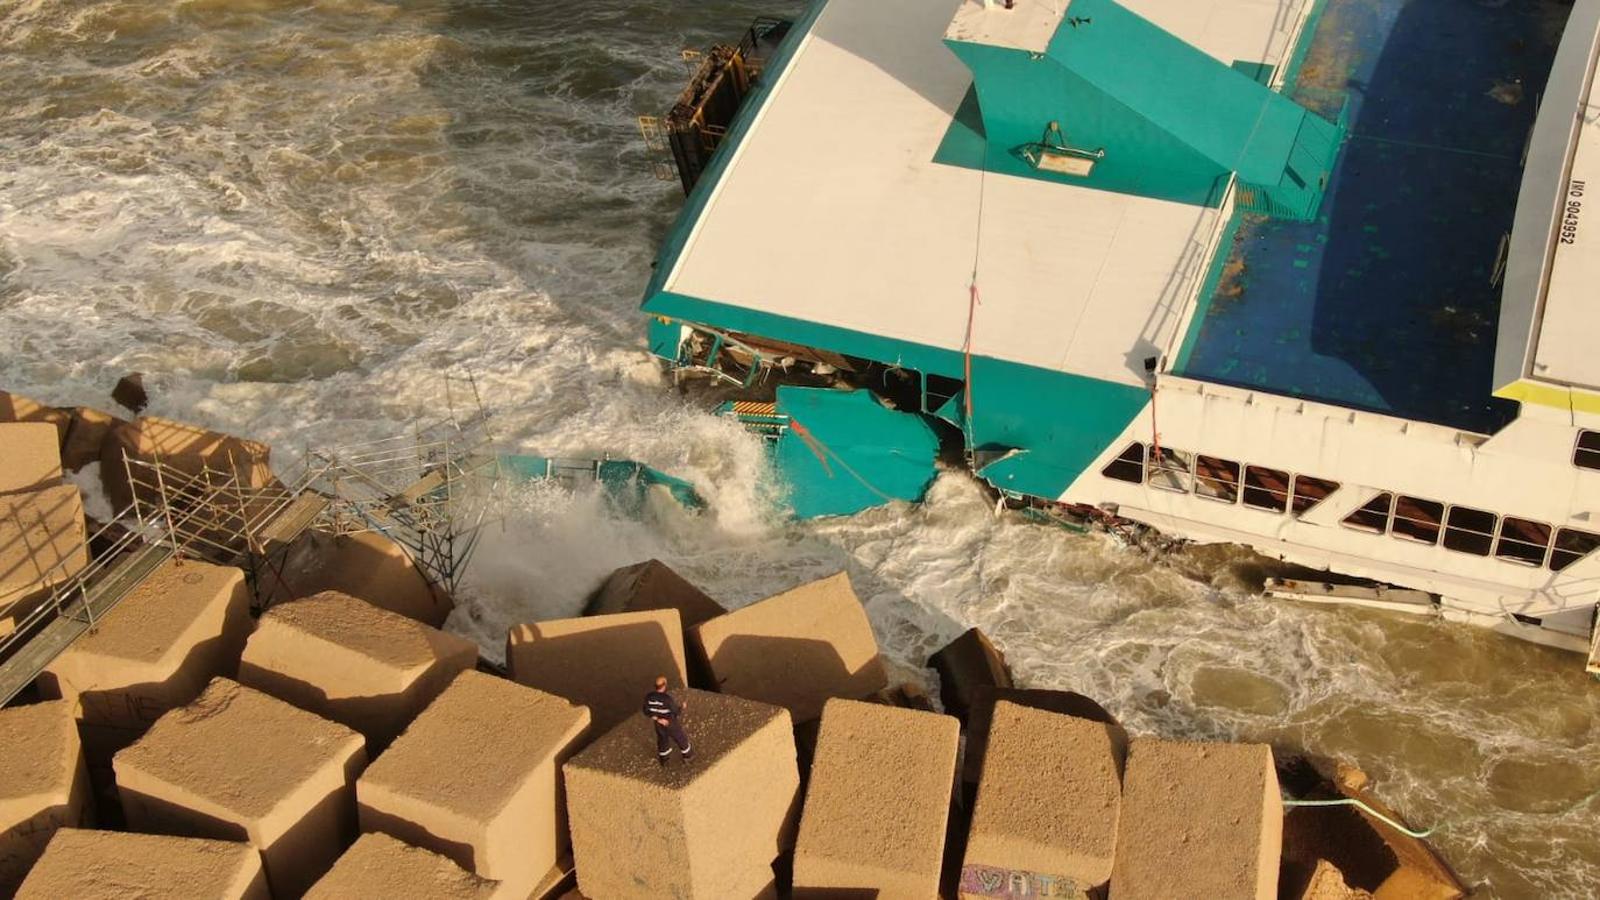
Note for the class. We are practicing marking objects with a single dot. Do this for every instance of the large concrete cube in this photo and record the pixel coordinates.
(1064, 703)
(477, 778)
(709, 828)
(967, 665)
(1198, 820)
(347, 660)
(114, 865)
(86, 434)
(43, 784)
(17, 408)
(378, 867)
(1039, 760)
(878, 802)
(652, 585)
(368, 565)
(41, 545)
(186, 448)
(796, 649)
(156, 650)
(239, 765)
(30, 458)
(607, 663)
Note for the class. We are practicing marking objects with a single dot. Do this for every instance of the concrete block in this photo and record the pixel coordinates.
(187, 448)
(1048, 804)
(156, 650)
(86, 434)
(30, 457)
(607, 663)
(878, 802)
(1327, 883)
(239, 765)
(114, 865)
(966, 665)
(378, 867)
(17, 408)
(368, 565)
(347, 660)
(476, 777)
(1064, 703)
(652, 585)
(1198, 820)
(41, 545)
(43, 785)
(709, 828)
(796, 649)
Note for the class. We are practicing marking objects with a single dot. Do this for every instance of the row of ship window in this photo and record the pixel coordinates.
(1460, 528)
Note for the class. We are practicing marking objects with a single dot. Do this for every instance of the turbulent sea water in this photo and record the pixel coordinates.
(295, 216)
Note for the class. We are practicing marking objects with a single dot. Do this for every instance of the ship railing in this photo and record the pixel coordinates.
(1181, 301)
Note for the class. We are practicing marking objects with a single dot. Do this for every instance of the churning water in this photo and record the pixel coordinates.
(295, 215)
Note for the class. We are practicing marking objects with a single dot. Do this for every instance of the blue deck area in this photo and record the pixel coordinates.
(1384, 302)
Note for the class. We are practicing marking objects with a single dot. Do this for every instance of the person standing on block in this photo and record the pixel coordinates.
(667, 712)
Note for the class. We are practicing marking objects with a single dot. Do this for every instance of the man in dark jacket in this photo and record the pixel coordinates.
(667, 712)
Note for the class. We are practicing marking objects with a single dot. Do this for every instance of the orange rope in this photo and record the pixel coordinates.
(966, 350)
(822, 451)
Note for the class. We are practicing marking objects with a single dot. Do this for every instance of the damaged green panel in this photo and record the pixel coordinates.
(845, 451)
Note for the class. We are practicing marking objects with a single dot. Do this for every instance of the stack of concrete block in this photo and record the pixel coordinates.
(43, 784)
(112, 865)
(966, 665)
(878, 802)
(30, 458)
(707, 828)
(185, 448)
(368, 565)
(1198, 820)
(347, 660)
(237, 764)
(42, 545)
(476, 777)
(796, 649)
(606, 663)
(17, 408)
(158, 649)
(378, 867)
(1048, 804)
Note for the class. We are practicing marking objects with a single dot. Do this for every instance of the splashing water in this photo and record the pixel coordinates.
(294, 215)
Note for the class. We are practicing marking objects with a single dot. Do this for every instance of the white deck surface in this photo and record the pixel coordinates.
(1026, 26)
(833, 211)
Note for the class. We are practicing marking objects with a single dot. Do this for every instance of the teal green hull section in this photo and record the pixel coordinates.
(627, 484)
(844, 451)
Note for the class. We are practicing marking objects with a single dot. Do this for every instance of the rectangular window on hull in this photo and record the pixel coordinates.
(1587, 454)
(1169, 470)
(1468, 530)
(1522, 541)
(1571, 546)
(1373, 515)
(1417, 520)
(1266, 488)
(1216, 479)
(1128, 466)
(1309, 491)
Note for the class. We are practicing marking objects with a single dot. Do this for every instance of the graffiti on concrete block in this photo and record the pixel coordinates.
(1016, 884)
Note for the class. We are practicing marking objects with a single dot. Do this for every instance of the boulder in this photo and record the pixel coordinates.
(607, 663)
(17, 408)
(114, 865)
(708, 828)
(187, 449)
(41, 545)
(43, 785)
(966, 665)
(347, 660)
(1036, 761)
(877, 803)
(86, 434)
(30, 457)
(378, 867)
(796, 649)
(1064, 703)
(365, 564)
(237, 764)
(1198, 820)
(477, 778)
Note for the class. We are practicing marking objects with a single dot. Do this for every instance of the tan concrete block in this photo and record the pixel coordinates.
(30, 458)
(709, 828)
(239, 765)
(378, 867)
(796, 649)
(966, 666)
(607, 663)
(1064, 703)
(1048, 803)
(652, 585)
(17, 408)
(86, 434)
(186, 448)
(43, 785)
(476, 778)
(1327, 883)
(878, 801)
(1198, 820)
(41, 545)
(368, 565)
(347, 660)
(113, 865)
